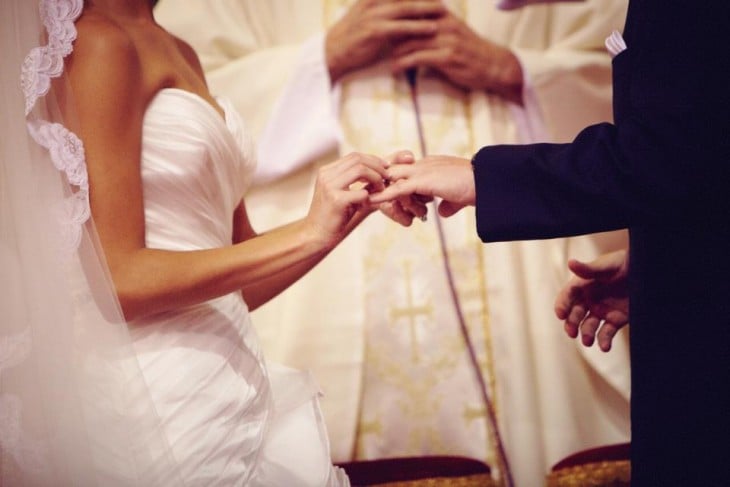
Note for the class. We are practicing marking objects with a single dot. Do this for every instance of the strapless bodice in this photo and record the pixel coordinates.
(203, 363)
(196, 166)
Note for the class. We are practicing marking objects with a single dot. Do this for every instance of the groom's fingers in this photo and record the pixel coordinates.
(606, 334)
(414, 206)
(447, 208)
(575, 317)
(395, 212)
(592, 270)
(588, 329)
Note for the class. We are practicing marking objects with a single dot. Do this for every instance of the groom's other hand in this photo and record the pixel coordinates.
(595, 301)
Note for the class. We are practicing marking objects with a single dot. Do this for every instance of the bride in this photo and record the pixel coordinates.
(133, 361)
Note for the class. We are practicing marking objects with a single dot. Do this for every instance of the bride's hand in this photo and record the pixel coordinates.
(404, 208)
(341, 192)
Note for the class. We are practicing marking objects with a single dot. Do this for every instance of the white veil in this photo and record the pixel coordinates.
(74, 408)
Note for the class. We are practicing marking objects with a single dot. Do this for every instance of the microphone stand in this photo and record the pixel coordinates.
(505, 471)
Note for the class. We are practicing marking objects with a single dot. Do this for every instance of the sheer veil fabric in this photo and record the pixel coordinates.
(74, 408)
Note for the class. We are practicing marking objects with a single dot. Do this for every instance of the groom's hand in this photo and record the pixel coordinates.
(595, 301)
(446, 177)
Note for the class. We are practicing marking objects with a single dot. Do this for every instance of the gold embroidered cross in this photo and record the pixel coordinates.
(472, 413)
(373, 427)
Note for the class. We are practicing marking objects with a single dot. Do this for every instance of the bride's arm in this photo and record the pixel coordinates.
(108, 78)
(259, 292)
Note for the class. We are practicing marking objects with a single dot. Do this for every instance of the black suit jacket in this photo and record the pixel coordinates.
(661, 170)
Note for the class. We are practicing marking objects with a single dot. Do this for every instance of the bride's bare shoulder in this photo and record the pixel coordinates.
(103, 44)
(189, 54)
(104, 54)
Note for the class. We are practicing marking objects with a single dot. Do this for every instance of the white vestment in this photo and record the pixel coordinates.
(374, 321)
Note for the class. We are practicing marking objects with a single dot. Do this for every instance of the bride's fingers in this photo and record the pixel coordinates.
(354, 159)
(397, 189)
(356, 168)
(349, 201)
(367, 169)
(400, 157)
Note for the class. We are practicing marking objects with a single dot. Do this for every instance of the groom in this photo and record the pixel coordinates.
(662, 171)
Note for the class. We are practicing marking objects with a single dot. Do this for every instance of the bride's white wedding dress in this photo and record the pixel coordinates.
(229, 418)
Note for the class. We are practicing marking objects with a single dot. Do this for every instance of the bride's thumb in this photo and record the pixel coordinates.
(401, 157)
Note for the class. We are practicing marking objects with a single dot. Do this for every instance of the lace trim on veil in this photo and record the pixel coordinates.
(74, 407)
(66, 150)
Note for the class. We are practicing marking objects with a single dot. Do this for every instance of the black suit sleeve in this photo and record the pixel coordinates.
(665, 161)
